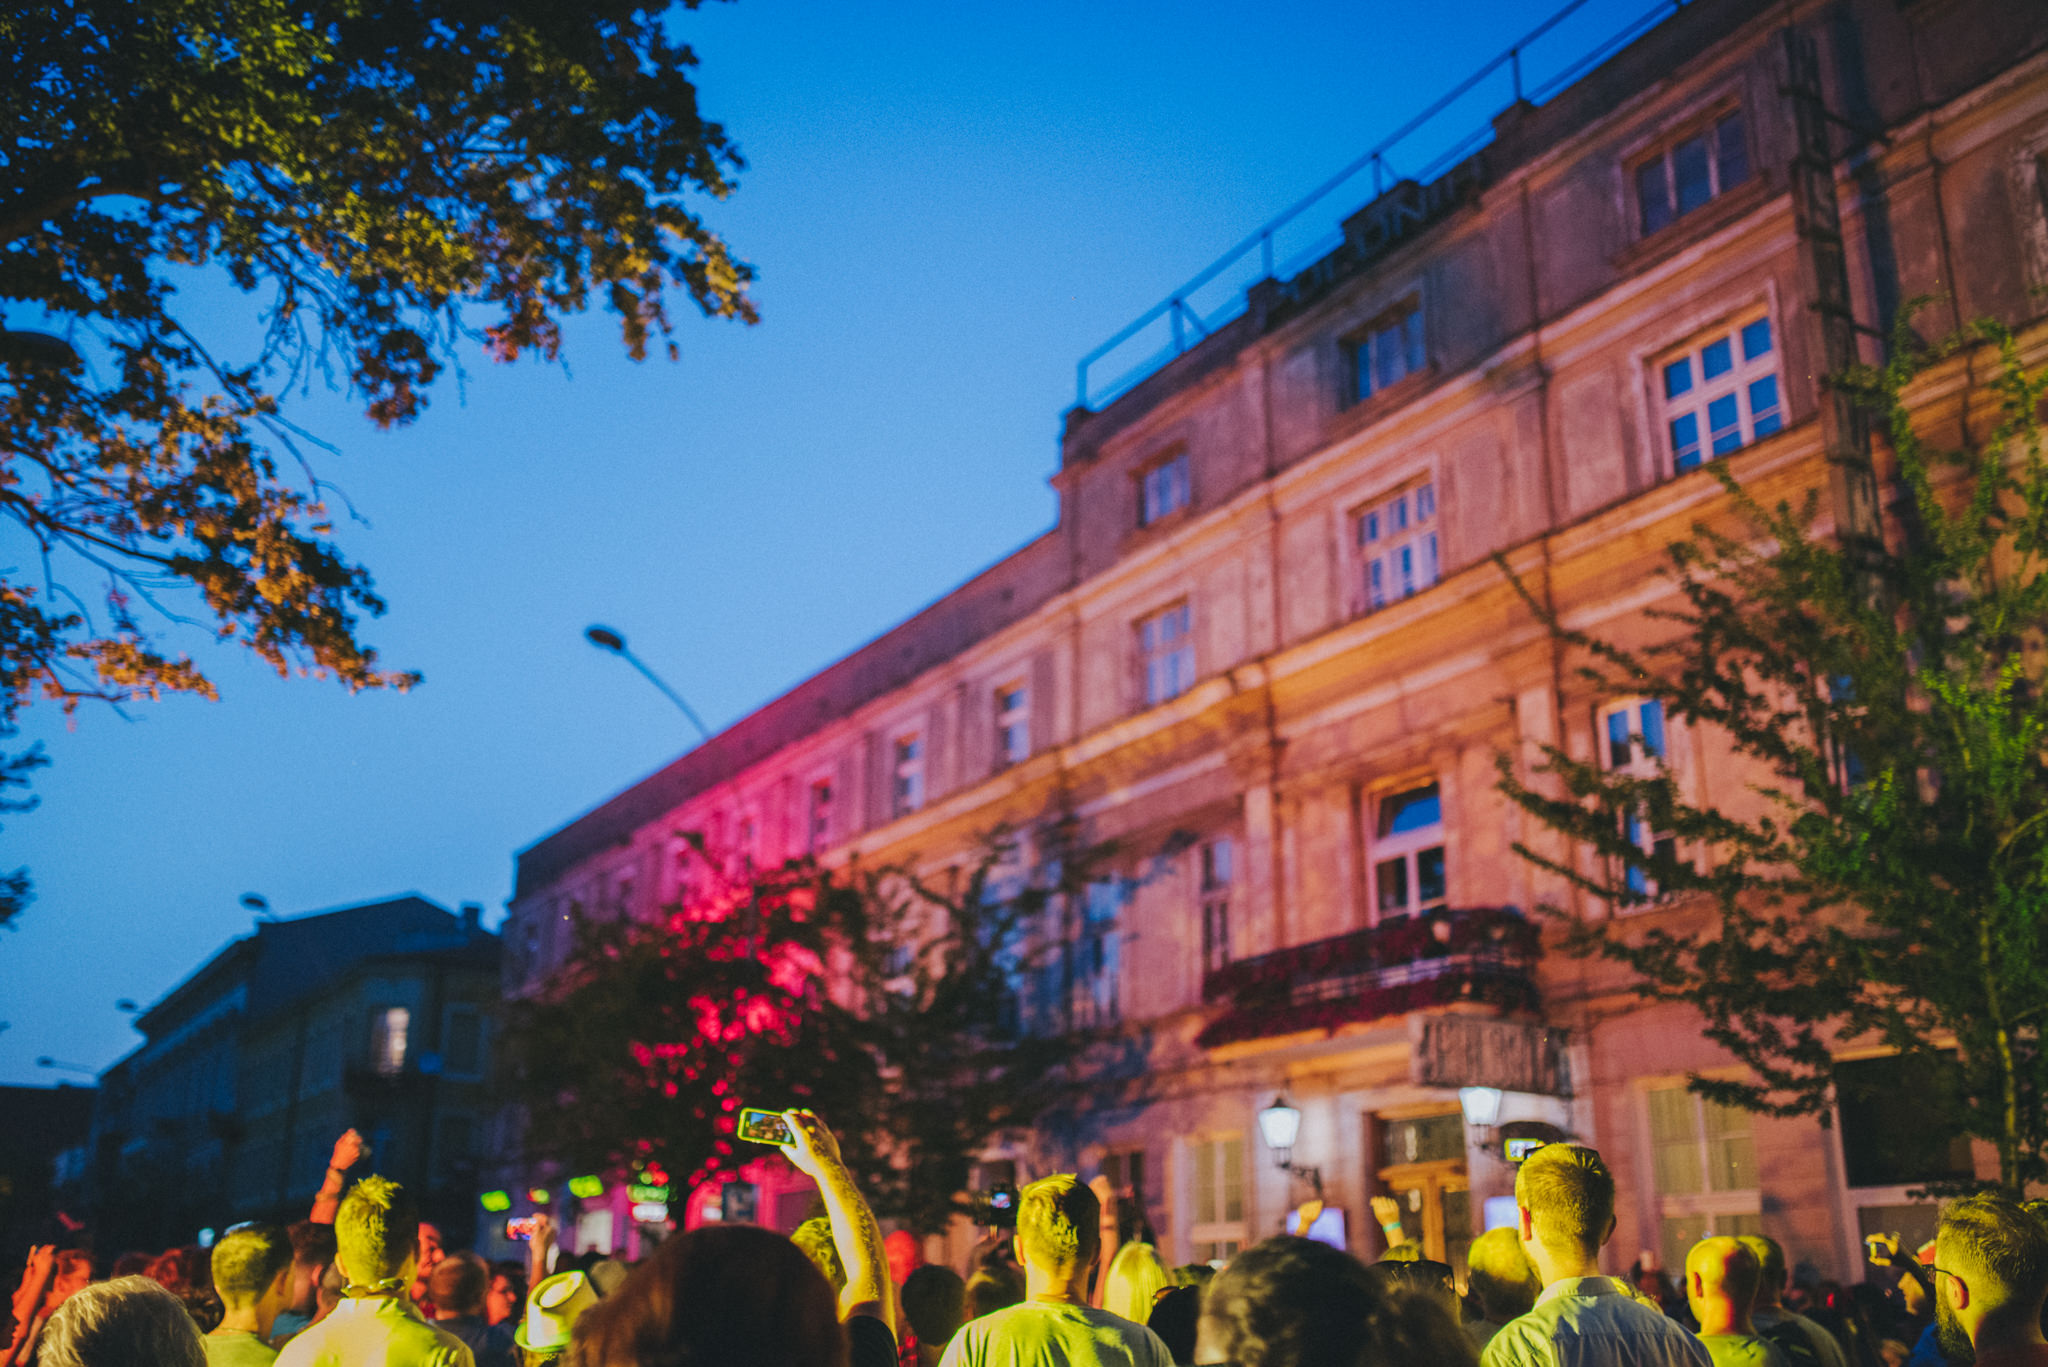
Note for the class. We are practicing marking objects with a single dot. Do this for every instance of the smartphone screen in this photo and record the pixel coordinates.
(764, 1127)
(519, 1227)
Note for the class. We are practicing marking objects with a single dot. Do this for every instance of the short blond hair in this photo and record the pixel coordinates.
(376, 1230)
(1060, 1221)
(1569, 1189)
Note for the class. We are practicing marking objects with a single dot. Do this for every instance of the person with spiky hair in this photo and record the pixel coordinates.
(376, 1235)
(252, 1275)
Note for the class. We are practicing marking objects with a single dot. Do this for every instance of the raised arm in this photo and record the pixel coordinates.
(854, 1232)
(28, 1303)
(1387, 1211)
(348, 1151)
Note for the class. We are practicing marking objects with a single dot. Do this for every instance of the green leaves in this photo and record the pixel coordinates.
(1886, 700)
(388, 182)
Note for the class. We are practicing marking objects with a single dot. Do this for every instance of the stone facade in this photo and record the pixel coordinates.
(1266, 650)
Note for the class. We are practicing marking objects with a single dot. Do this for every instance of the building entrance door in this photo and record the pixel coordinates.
(1422, 1166)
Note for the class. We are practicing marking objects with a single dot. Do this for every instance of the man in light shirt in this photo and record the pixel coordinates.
(1786, 1328)
(1720, 1286)
(1058, 1237)
(1564, 1199)
(377, 1234)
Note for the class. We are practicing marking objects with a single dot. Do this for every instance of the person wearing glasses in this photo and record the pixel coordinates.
(1990, 1278)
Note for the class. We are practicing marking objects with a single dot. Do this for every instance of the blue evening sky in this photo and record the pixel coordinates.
(948, 205)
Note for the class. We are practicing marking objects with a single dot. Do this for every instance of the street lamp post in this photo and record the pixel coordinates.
(604, 638)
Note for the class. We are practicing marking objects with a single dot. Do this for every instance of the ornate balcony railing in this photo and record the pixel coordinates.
(1485, 955)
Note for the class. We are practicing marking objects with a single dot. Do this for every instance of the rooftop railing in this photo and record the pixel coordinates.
(1284, 245)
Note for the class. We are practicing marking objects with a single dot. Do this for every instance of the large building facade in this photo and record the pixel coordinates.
(376, 1017)
(1266, 649)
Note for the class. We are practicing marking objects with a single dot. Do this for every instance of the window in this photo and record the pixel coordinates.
(1217, 860)
(1163, 489)
(463, 1053)
(1095, 964)
(818, 821)
(1013, 724)
(1703, 1161)
(1166, 647)
(1396, 541)
(1408, 853)
(388, 1030)
(1632, 741)
(1686, 174)
(1387, 352)
(1218, 1228)
(907, 794)
(1721, 392)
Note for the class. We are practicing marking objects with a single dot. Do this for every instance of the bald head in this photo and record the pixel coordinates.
(1720, 1284)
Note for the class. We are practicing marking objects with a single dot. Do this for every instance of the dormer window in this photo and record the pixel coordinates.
(1689, 171)
(1388, 351)
(1163, 489)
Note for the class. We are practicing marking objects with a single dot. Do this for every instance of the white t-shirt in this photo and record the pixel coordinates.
(1055, 1334)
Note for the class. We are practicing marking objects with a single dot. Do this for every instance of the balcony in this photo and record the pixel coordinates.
(1483, 955)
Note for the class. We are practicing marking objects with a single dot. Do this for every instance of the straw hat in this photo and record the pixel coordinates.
(552, 1311)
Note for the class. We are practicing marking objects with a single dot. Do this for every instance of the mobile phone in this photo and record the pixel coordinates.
(764, 1127)
(521, 1227)
(1519, 1149)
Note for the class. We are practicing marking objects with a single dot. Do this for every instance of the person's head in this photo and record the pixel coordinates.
(312, 1254)
(333, 1286)
(994, 1288)
(1720, 1284)
(1197, 1275)
(120, 1322)
(1770, 1262)
(430, 1250)
(1293, 1302)
(252, 1272)
(1423, 1276)
(935, 1303)
(728, 1294)
(1498, 1274)
(1059, 1225)
(502, 1302)
(131, 1264)
(814, 1237)
(72, 1274)
(457, 1286)
(1564, 1197)
(1990, 1273)
(376, 1234)
(1136, 1277)
(1176, 1317)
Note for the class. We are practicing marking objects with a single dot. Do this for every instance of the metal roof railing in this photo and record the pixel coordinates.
(1183, 318)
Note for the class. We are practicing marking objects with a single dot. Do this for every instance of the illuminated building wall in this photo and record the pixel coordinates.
(1265, 648)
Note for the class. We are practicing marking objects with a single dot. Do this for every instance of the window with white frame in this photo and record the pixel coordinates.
(1703, 1161)
(1218, 871)
(1386, 352)
(389, 1029)
(1692, 169)
(1633, 741)
(1217, 1227)
(1396, 545)
(1163, 489)
(1721, 391)
(1013, 724)
(818, 816)
(1408, 852)
(907, 790)
(1166, 650)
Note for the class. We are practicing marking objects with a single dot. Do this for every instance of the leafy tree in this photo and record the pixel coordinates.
(1886, 878)
(880, 998)
(387, 182)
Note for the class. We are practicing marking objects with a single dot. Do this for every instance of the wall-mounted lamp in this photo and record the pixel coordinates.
(1481, 1106)
(1279, 1126)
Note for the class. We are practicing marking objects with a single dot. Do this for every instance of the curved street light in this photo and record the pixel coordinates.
(613, 642)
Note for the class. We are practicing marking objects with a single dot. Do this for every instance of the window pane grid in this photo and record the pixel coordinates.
(1690, 172)
(1388, 353)
(1397, 542)
(1167, 649)
(1719, 397)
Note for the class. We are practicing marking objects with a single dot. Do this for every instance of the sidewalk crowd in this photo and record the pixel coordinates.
(365, 1283)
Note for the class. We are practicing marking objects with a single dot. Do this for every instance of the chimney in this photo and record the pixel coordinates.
(472, 916)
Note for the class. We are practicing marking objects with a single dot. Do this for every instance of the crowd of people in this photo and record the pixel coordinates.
(365, 1283)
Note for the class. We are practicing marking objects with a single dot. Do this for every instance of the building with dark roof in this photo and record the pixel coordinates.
(374, 1017)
